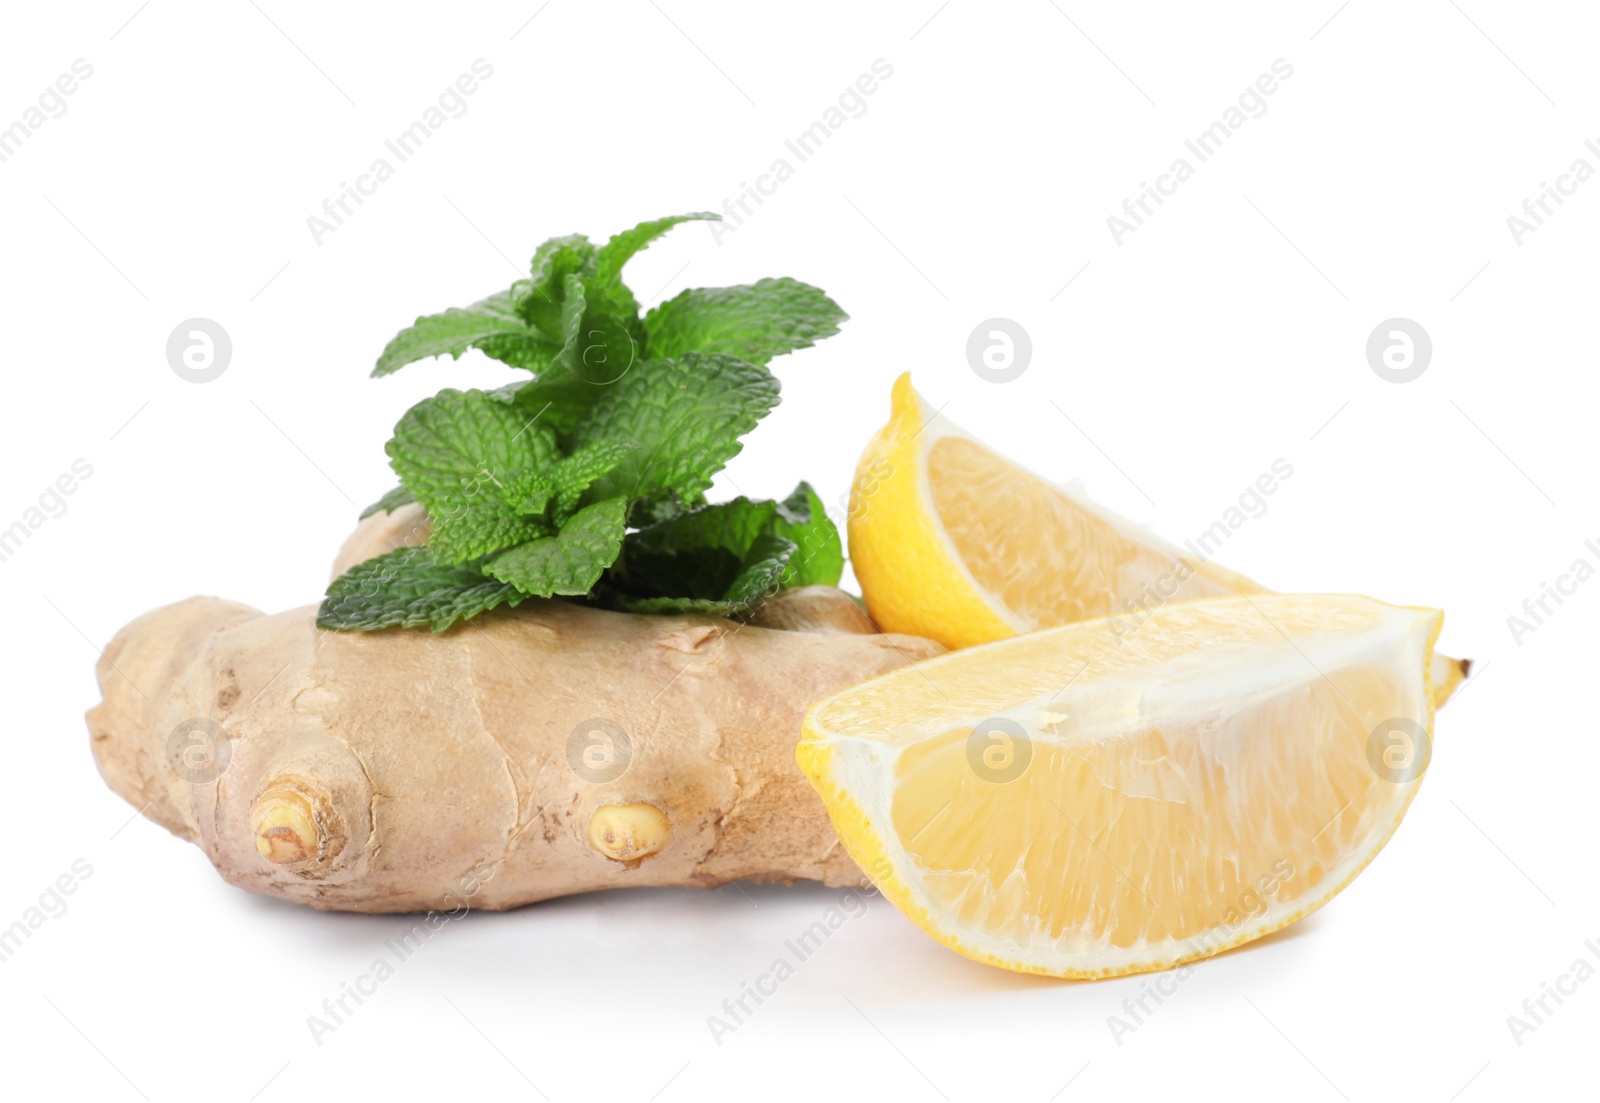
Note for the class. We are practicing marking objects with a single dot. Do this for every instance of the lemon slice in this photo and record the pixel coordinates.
(1081, 803)
(955, 543)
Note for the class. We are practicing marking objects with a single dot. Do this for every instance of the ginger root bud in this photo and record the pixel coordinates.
(629, 832)
(293, 828)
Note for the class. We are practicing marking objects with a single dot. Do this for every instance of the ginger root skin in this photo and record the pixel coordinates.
(530, 753)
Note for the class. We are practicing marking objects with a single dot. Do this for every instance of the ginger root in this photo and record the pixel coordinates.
(530, 753)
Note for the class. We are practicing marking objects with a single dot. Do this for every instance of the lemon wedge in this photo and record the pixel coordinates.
(953, 542)
(1083, 803)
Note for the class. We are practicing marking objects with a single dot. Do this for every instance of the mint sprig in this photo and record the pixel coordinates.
(587, 479)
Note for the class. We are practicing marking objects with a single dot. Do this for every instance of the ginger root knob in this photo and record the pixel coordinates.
(629, 832)
(288, 829)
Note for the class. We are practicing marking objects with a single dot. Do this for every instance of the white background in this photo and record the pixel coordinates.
(1227, 332)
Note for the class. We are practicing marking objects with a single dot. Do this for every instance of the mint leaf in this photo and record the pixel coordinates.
(557, 402)
(606, 349)
(622, 248)
(577, 472)
(539, 299)
(491, 324)
(571, 561)
(467, 456)
(700, 553)
(530, 495)
(471, 530)
(819, 558)
(685, 415)
(756, 578)
(760, 575)
(598, 344)
(464, 441)
(755, 322)
(534, 356)
(405, 588)
(661, 506)
(565, 482)
(701, 575)
(390, 502)
(573, 305)
(731, 526)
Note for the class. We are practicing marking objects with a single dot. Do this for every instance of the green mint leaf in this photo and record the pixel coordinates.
(598, 343)
(731, 526)
(755, 322)
(466, 441)
(819, 558)
(564, 483)
(405, 588)
(538, 300)
(571, 561)
(686, 416)
(534, 356)
(531, 494)
(508, 392)
(573, 305)
(752, 580)
(606, 349)
(557, 258)
(469, 457)
(577, 472)
(761, 574)
(557, 402)
(656, 606)
(390, 502)
(702, 575)
(622, 248)
(492, 325)
(699, 553)
(661, 506)
(474, 530)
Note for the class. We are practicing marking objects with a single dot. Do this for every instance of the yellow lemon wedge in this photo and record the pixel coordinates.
(1083, 803)
(953, 542)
